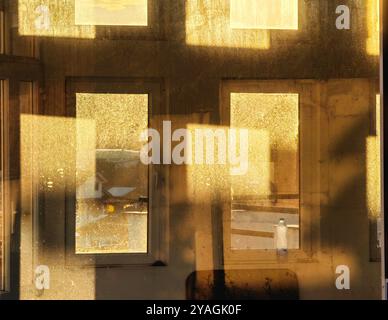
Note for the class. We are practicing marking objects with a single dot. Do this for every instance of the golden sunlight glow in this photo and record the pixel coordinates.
(51, 18)
(98, 158)
(373, 40)
(373, 161)
(105, 12)
(264, 14)
(50, 158)
(111, 183)
(48, 148)
(208, 24)
(270, 190)
(203, 180)
(273, 123)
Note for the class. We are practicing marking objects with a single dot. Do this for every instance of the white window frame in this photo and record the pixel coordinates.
(308, 170)
(158, 178)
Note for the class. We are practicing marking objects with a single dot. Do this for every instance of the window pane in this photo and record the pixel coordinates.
(112, 184)
(119, 12)
(264, 14)
(269, 193)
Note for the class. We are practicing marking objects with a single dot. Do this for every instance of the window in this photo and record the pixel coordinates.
(264, 14)
(269, 191)
(111, 182)
(110, 205)
(102, 12)
(270, 206)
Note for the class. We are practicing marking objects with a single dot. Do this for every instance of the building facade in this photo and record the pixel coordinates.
(83, 217)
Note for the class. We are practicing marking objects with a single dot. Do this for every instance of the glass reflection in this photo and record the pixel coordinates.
(111, 182)
(269, 198)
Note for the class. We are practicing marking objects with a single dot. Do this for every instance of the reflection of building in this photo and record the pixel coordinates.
(110, 200)
(125, 162)
(308, 95)
(91, 188)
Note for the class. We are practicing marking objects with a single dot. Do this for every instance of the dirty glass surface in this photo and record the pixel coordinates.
(270, 190)
(112, 184)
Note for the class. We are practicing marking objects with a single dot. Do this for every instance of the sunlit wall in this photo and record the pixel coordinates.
(208, 24)
(373, 22)
(264, 14)
(105, 12)
(51, 18)
(373, 170)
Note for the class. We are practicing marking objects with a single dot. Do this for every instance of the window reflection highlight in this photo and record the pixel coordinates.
(264, 14)
(112, 184)
(105, 12)
(208, 24)
(272, 191)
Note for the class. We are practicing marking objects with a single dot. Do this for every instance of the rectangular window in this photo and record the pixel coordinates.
(116, 205)
(269, 193)
(112, 183)
(264, 14)
(270, 207)
(110, 13)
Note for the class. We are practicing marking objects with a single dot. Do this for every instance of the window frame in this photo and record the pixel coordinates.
(13, 70)
(309, 207)
(5, 246)
(157, 178)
